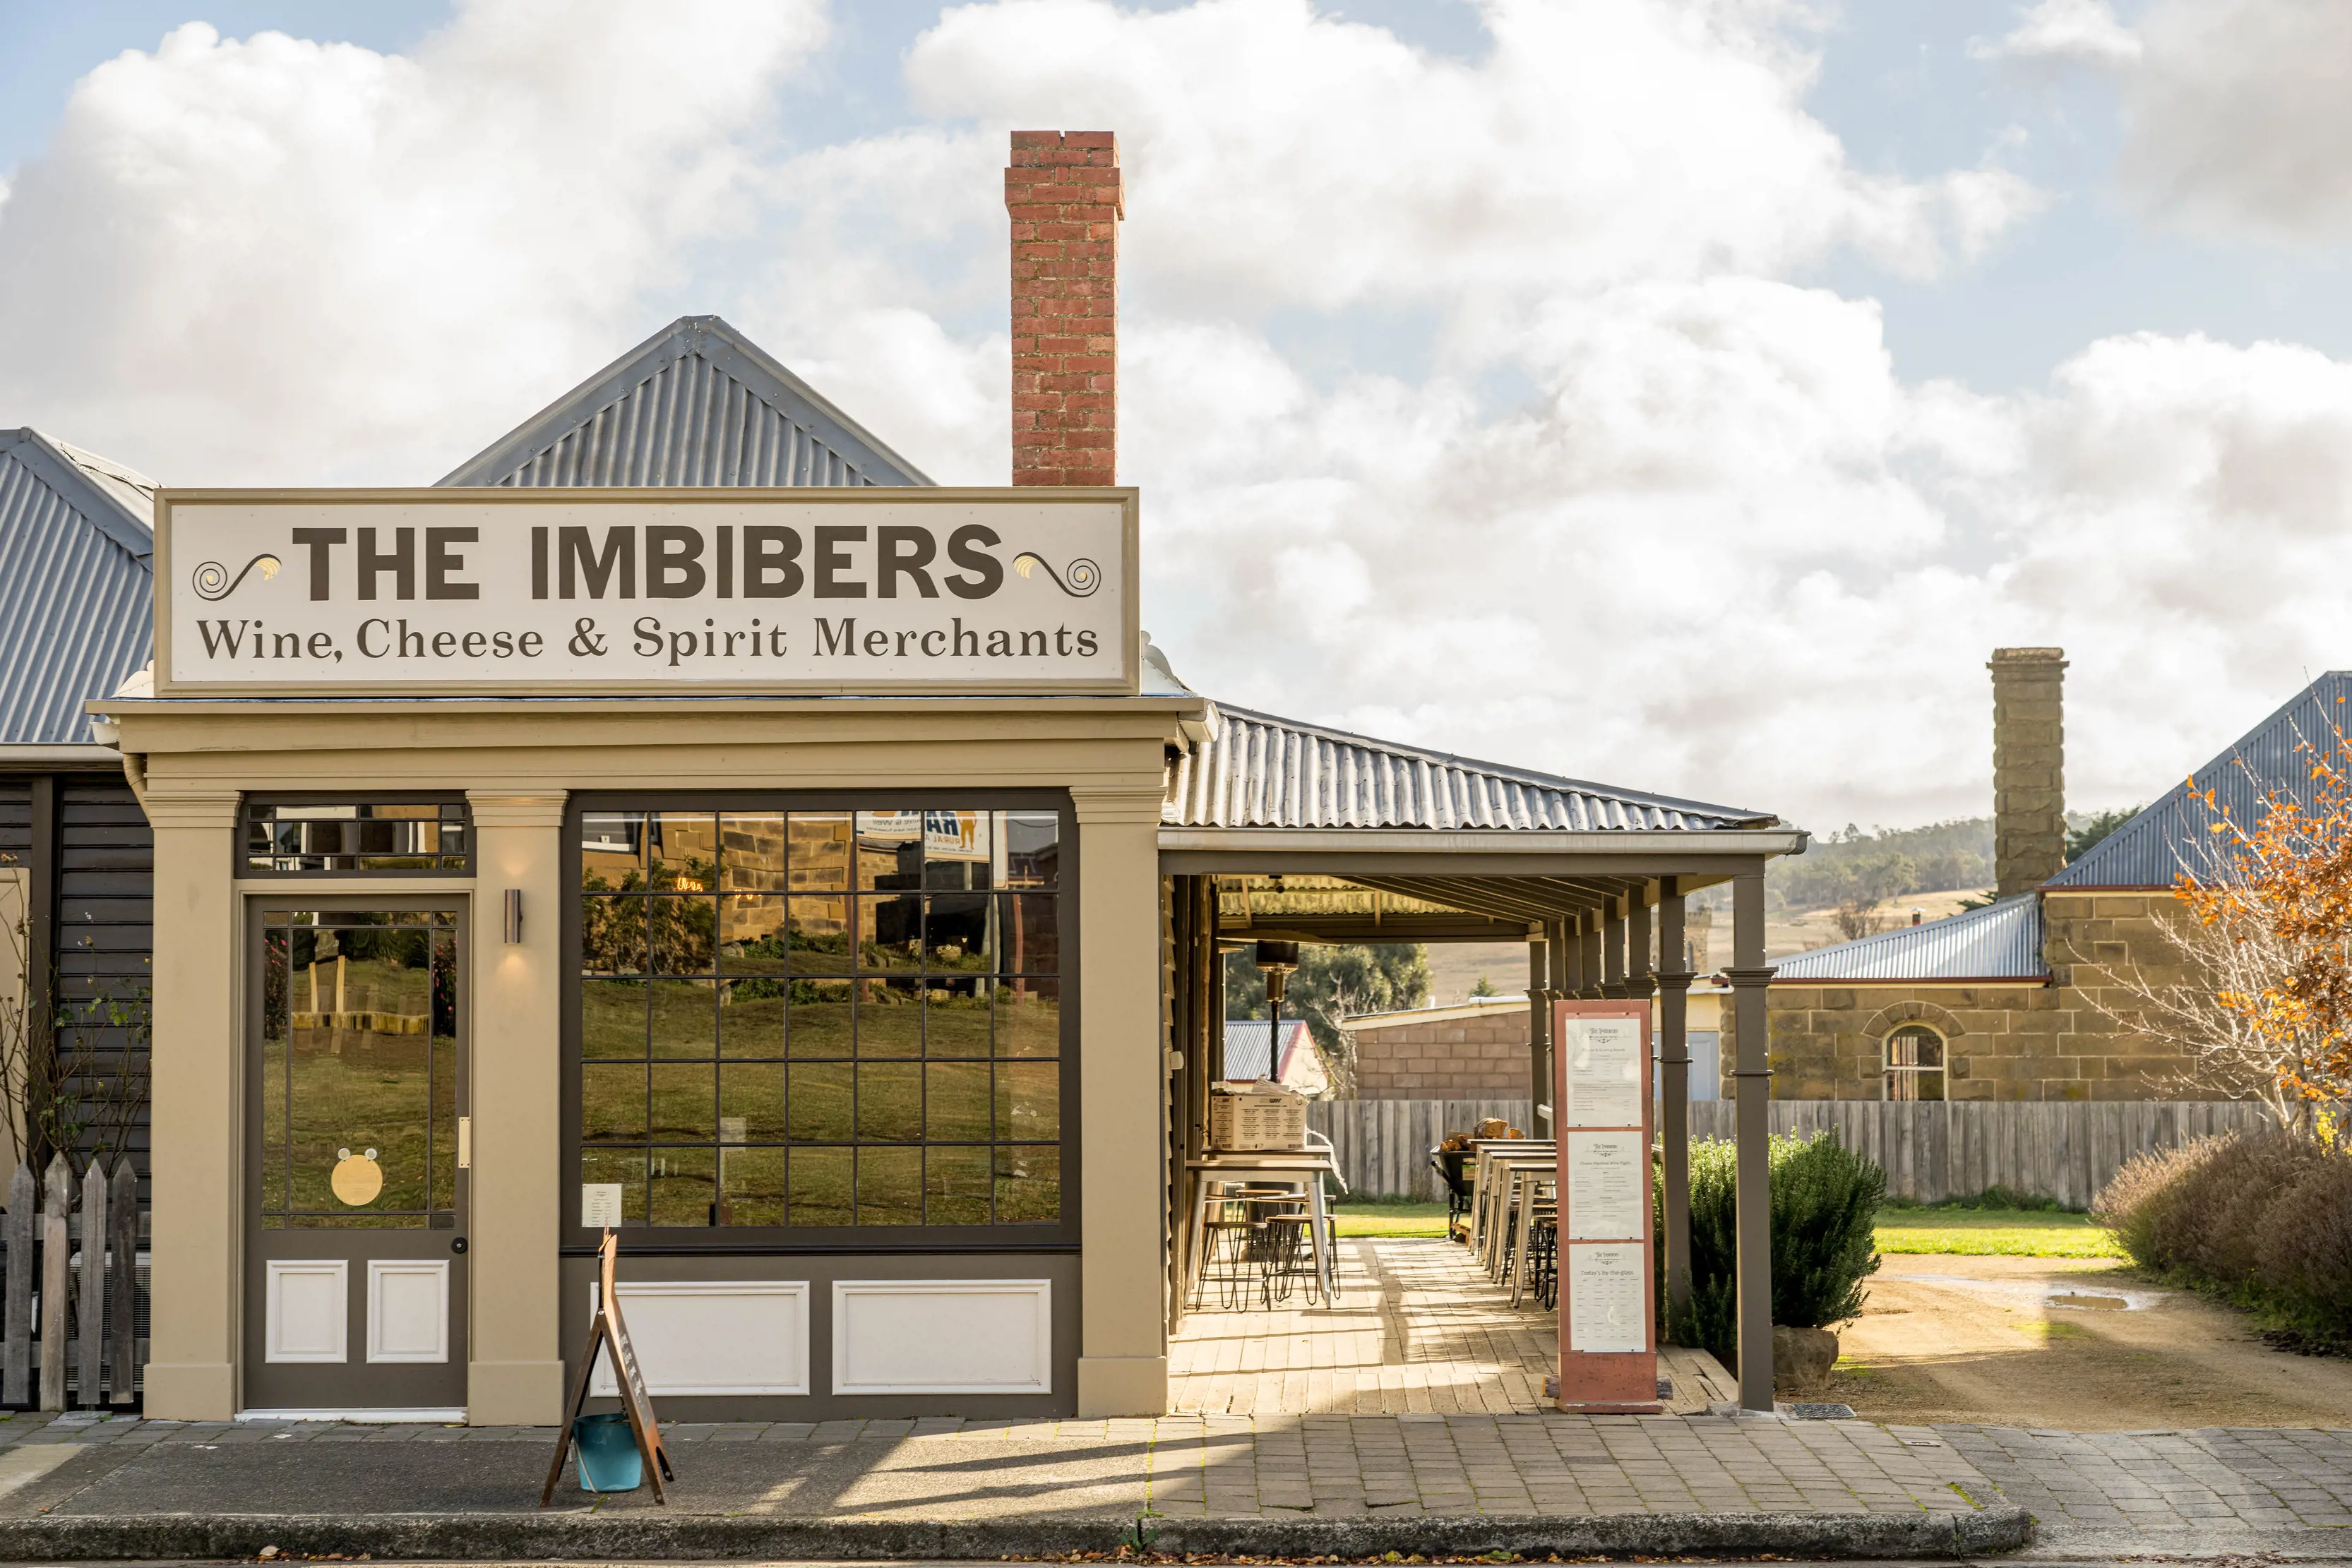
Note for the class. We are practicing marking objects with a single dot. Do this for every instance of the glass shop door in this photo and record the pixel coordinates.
(356, 1179)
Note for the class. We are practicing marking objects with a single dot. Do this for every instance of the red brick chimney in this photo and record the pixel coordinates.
(1063, 191)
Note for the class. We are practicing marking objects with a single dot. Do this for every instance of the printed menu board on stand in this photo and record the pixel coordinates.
(1601, 1084)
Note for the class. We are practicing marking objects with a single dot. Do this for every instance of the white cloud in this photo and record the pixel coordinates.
(2078, 30)
(1712, 545)
(2239, 113)
(273, 259)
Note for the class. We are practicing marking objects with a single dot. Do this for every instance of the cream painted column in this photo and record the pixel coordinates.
(516, 1373)
(1123, 1341)
(197, 1160)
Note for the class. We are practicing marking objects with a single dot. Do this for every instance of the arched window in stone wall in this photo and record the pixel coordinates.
(1915, 1063)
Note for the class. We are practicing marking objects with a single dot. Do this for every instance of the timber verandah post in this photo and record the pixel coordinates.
(1674, 1056)
(1749, 973)
(1539, 1069)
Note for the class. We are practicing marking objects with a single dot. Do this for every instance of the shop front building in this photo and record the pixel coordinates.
(688, 821)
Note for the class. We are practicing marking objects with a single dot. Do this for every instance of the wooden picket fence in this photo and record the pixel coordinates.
(1931, 1150)
(72, 1289)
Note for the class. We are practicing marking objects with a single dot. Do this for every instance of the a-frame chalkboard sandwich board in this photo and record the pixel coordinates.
(609, 1333)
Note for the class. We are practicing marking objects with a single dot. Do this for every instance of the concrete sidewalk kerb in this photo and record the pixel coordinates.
(577, 1536)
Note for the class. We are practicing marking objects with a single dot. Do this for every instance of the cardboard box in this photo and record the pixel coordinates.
(1256, 1116)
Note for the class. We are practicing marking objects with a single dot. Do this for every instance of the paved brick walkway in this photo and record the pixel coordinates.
(2162, 1489)
(2254, 1476)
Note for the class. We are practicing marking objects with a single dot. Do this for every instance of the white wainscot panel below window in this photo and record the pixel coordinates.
(943, 1336)
(713, 1336)
(307, 1308)
(408, 1310)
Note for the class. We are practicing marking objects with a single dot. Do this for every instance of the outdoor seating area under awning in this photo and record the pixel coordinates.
(1283, 832)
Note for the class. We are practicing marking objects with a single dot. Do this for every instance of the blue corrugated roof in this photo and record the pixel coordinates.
(1246, 1043)
(697, 403)
(2171, 835)
(2003, 942)
(77, 585)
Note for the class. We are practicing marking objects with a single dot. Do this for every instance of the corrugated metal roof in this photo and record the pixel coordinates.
(2003, 942)
(77, 586)
(697, 403)
(1259, 771)
(1246, 1042)
(2171, 835)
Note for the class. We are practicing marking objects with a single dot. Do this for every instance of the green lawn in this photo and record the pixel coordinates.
(1994, 1232)
(1391, 1220)
(1974, 1233)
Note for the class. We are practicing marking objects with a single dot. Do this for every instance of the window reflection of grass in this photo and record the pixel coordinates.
(1028, 1017)
(817, 1018)
(682, 1186)
(822, 1186)
(956, 1101)
(613, 1019)
(612, 1101)
(1029, 1100)
(957, 1183)
(890, 1102)
(752, 1093)
(684, 1018)
(955, 1023)
(683, 1103)
(374, 1095)
(889, 1019)
(889, 1186)
(751, 1187)
(751, 1023)
(1028, 1184)
(820, 1101)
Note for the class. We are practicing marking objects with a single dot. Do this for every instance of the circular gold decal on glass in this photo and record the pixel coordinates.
(357, 1179)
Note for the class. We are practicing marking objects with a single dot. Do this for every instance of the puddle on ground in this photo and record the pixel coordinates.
(2038, 1292)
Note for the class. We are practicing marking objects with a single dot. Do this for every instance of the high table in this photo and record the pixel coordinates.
(1302, 1167)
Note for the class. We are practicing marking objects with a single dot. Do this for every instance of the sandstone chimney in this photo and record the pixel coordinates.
(2029, 768)
(1063, 191)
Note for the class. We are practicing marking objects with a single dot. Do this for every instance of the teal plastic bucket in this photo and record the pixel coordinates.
(609, 1461)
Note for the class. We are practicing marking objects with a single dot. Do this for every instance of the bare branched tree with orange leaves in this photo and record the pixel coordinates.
(2264, 938)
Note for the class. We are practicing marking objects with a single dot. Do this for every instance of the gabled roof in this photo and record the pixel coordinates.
(2171, 835)
(77, 585)
(2000, 942)
(1246, 1043)
(1256, 770)
(696, 404)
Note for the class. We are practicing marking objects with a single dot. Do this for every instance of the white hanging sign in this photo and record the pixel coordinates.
(439, 591)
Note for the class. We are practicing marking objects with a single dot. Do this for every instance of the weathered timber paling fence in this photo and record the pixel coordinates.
(81, 1237)
(2065, 1150)
(1931, 1150)
(1382, 1145)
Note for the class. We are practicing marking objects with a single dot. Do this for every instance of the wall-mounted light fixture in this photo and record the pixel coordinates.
(514, 915)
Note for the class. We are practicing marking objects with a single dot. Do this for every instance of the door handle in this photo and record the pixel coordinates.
(457, 1244)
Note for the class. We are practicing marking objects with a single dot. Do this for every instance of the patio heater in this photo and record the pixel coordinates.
(1276, 960)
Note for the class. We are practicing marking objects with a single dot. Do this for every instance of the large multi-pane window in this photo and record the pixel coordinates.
(820, 1017)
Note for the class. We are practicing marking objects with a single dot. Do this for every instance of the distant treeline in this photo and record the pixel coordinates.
(1853, 867)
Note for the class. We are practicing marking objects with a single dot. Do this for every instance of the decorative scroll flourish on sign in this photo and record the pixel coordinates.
(1080, 580)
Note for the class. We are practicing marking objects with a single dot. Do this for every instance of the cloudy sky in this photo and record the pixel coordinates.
(1684, 393)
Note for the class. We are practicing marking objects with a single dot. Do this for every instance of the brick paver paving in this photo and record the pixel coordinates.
(2160, 1484)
